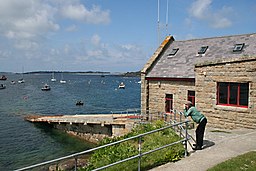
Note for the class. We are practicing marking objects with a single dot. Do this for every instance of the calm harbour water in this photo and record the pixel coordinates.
(23, 143)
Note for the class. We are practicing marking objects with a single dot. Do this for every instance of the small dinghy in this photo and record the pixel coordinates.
(79, 103)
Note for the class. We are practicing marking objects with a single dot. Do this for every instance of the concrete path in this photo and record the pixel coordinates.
(218, 147)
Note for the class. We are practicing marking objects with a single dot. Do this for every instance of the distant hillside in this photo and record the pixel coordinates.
(131, 74)
(72, 72)
(127, 74)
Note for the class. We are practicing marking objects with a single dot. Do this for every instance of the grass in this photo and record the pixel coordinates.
(130, 148)
(245, 161)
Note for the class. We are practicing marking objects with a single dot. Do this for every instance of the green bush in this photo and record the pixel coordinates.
(130, 148)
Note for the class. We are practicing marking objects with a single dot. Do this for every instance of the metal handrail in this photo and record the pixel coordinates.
(184, 141)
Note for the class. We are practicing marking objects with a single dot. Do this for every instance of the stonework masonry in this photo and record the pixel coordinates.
(94, 132)
(153, 97)
(208, 74)
(176, 74)
(241, 70)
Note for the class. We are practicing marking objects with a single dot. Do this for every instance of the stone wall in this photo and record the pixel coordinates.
(90, 132)
(237, 70)
(95, 132)
(153, 97)
(208, 74)
(144, 94)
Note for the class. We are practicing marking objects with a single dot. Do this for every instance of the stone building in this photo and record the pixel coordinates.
(217, 74)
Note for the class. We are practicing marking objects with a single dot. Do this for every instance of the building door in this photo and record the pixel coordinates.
(191, 97)
(168, 103)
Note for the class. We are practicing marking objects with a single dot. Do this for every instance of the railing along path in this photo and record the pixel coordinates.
(181, 125)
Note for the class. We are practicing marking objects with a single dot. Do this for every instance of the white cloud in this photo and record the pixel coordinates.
(22, 19)
(95, 53)
(54, 51)
(81, 13)
(26, 45)
(202, 10)
(128, 47)
(95, 40)
(33, 35)
(66, 49)
(220, 22)
(5, 53)
(103, 55)
(71, 28)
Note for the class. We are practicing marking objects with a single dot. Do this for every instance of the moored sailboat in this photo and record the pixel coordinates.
(62, 81)
(21, 80)
(53, 79)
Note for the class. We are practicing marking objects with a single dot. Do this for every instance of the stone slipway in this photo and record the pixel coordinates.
(85, 119)
(219, 146)
(91, 127)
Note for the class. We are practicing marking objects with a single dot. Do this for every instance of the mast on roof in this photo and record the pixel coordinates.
(158, 19)
(167, 12)
(158, 22)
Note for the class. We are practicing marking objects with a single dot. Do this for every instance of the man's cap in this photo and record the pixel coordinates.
(188, 103)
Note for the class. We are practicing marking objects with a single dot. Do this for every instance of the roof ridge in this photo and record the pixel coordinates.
(237, 35)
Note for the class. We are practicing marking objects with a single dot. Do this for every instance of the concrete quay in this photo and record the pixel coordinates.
(91, 127)
(85, 119)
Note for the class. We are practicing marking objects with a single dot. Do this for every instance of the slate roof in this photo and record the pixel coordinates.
(181, 65)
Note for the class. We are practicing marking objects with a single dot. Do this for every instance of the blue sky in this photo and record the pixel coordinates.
(108, 35)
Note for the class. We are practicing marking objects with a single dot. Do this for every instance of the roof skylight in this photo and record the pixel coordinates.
(238, 47)
(173, 52)
(202, 49)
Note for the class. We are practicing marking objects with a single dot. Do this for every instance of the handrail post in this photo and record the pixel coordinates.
(180, 125)
(139, 162)
(186, 139)
(174, 118)
(75, 163)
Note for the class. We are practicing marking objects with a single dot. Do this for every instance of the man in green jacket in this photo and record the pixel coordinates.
(200, 119)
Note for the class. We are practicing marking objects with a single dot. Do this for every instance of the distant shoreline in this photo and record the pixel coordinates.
(126, 74)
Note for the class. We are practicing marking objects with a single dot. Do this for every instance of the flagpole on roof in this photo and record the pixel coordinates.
(158, 22)
(167, 12)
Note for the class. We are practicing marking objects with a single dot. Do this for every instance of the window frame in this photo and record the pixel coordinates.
(202, 50)
(229, 95)
(173, 52)
(238, 47)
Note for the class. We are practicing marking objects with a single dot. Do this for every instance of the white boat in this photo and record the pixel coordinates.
(53, 79)
(62, 81)
(21, 81)
(121, 85)
(2, 86)
(46, 87)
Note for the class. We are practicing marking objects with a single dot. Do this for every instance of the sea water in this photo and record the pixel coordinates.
(23, 143)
